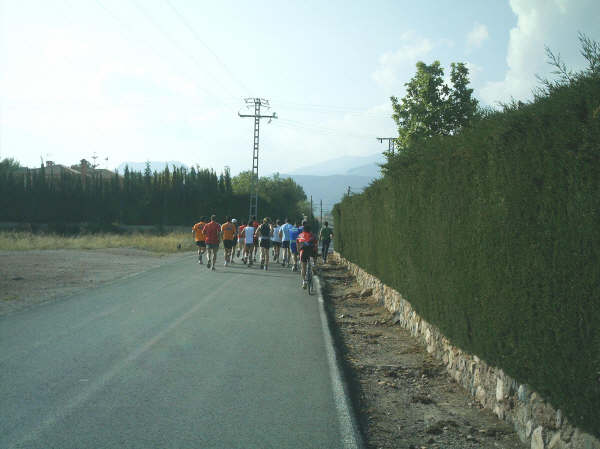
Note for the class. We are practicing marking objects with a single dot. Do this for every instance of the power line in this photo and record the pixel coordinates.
(199, 39)
(178, 45)
(152, 48)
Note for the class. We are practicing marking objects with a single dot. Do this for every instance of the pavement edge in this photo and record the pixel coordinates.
(351, 435)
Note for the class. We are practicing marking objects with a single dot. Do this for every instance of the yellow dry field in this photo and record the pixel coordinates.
(168, 243)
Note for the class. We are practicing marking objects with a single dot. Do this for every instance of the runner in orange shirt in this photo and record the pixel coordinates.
(211, 232)
(199, 237)
(228, 232)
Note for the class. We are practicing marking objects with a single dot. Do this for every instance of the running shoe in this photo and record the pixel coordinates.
(213, 268)
(200, 261)
(304, 284)
(208, 265)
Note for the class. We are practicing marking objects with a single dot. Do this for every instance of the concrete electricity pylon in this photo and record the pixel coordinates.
(258, 102)
(391, 143)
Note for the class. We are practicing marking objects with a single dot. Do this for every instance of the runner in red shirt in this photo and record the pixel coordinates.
(211, 232)
(306, 242)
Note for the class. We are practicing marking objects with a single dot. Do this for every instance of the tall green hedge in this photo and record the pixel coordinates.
(493, 235)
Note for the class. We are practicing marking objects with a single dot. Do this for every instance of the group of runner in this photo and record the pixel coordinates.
(289, 243)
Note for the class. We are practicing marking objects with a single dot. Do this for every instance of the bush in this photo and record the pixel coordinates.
(494, 236)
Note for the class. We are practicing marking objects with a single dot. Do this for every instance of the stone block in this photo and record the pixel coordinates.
(537, 438)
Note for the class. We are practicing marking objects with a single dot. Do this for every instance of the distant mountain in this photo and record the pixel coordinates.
(345, 165)
(158, 166)
(371, 170)
(330, 189)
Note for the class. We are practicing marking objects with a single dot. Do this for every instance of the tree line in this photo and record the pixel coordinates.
(175, 196)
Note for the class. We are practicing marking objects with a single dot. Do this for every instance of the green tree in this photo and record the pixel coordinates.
(431, 107)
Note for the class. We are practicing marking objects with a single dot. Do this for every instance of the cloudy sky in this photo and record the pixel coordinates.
(137, 80)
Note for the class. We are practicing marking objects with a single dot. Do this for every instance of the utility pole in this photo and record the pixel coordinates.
(391, 143)
(348, 191)
(321, 222)
(257, 102)
(311, 209)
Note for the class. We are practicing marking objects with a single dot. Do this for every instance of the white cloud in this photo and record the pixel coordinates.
(477, 36)
(392, 65)
(540, 23)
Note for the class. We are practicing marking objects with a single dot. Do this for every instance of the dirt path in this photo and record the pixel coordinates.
(28, 278)
(404, 397)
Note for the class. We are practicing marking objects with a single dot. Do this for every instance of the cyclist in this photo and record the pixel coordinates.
(306, 242)
(199, 237)
(325, 237)
(284, 234)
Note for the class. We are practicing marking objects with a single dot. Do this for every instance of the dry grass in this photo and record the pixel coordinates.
(23, 241)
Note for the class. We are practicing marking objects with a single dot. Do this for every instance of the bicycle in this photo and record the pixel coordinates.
(308, 278)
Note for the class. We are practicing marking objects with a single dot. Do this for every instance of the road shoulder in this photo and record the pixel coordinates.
(30, 278)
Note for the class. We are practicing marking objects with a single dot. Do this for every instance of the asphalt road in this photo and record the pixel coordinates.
(176, 357)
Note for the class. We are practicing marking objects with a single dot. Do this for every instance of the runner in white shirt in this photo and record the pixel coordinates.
(248, 235)
(276, 241)
(284, 234)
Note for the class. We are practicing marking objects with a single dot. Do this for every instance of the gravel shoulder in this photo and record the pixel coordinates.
(403, 396)
(28, 278)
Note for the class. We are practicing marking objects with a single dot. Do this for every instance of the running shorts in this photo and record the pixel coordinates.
(285, 244)
(212, 245)
(201, 244)
(228, 244)
(265, 243)
(276, 244)
(294, 248)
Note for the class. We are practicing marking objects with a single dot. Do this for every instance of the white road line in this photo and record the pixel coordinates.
(351, 437)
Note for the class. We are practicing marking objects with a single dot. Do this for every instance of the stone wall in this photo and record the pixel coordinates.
(534, 420)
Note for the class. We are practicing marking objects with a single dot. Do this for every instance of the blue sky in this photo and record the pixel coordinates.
(136, 80)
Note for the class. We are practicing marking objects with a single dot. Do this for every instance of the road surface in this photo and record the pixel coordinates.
(174, 357)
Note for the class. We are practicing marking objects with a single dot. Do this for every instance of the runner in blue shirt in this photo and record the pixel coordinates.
(294, 232)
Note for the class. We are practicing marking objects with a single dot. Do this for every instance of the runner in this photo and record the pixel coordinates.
(306, 244)
(284, 234)
(199, 237)
(248, 235)
(325, 237)
(264, 235)
(241, 242)
(235, 240)
(255, 225)
(276, 241)
(227, 232)
(211, 232)
(294, 232)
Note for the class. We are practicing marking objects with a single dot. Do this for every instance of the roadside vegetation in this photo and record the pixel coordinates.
(490, 227)
(175, 196)
(167, 243)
